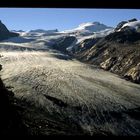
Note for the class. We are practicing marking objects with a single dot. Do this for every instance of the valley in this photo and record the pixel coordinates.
(59, 95)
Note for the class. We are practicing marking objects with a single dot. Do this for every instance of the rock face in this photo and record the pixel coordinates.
(10, 121)
(124, 36)
(118, 52)
(63, 43)
(80, 51)
(120, 25)
(5, 33)
(108, 63)
(134, 74)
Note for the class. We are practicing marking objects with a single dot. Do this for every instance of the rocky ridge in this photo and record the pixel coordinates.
(118, 52)
(5, 33)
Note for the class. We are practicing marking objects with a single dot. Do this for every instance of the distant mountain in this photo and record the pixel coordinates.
(11, 122)
(50, 38)
(92, 27)
(5, 33)
(44, 31)
(88, 28)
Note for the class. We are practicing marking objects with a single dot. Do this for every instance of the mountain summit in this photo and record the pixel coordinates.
(5, 33)
(88, 28)
(3, 28)
(92, 26)
(132, 24)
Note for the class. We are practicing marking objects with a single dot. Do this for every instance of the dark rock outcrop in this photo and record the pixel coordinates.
(123, 22)
(126, 35)
(5, 33)
(11, 123)
(63, 43)
(84, 45)
(120, 25)
(133, 19)
(10, 120)
(80, 50)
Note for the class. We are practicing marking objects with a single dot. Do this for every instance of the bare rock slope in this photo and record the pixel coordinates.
(118, 52)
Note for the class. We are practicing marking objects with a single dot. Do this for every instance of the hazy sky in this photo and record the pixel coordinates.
(45, 18)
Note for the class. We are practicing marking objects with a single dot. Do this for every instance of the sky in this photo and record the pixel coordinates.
(61, 18)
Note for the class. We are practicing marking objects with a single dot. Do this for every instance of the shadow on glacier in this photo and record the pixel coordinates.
(62, 56)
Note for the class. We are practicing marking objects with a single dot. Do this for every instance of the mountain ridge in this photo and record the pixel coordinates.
(5, 33)
(118, 52)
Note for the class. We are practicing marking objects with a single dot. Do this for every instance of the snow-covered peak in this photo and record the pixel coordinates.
(84, 25)
(90, 24)
(130, 24)
(134, 24)
(89, 27)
